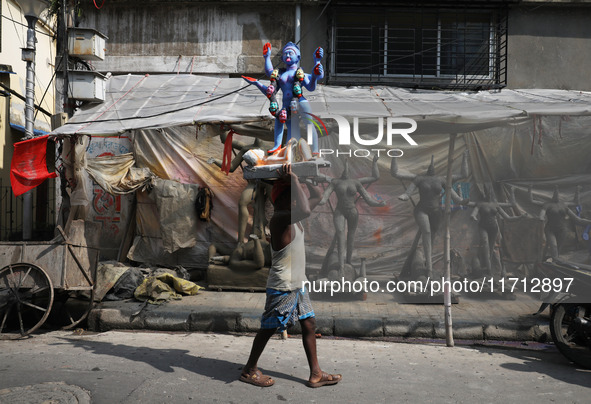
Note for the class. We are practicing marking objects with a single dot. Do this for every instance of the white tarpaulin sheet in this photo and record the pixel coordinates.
(515, 138)
(160, 101)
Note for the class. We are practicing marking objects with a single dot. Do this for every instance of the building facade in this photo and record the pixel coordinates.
(13, 34)
(446, 44)
(458, 45)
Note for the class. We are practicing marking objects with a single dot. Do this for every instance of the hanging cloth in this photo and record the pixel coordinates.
(204, 203)
(227, 157)
(28, 167)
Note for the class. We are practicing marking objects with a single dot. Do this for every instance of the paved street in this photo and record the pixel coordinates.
(149, 367)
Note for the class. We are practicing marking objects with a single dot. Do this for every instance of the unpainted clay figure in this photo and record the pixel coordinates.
(486, 213)
(250, 256)
(346, 216)
(556, 215)
(427, 212)
(255, 192)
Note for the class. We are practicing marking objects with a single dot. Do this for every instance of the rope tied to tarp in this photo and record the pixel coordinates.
(113, 104)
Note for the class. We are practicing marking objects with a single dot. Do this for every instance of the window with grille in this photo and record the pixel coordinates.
(457, 49)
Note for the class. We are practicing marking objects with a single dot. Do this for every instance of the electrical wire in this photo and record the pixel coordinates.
(26, 26)
(315, 21)
(47, 88)
(113, 104)
(170, 111)
(14, 22)
(192, 105)
(101, 6)
(277, 59)
(160, 113)
(37, 79)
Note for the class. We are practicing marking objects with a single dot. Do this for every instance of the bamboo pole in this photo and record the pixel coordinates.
(449, 339)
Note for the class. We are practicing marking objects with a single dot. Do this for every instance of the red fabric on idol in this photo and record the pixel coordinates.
(227, 157)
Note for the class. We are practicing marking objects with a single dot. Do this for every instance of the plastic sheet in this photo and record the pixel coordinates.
(515, 138)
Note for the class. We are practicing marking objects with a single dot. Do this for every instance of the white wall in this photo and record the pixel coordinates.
(14, 37)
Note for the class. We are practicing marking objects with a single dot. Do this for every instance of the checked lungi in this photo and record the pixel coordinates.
(284, 308)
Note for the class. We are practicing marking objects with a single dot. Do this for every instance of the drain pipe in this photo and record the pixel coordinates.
(298, 19)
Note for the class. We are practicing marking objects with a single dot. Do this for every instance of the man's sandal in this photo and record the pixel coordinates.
(257, 379)
(325, 380)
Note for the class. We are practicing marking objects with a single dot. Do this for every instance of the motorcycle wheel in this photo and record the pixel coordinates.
(572, 343)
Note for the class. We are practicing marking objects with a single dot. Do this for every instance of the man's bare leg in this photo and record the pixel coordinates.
(250, 369)
(317, 376)
(309, 341)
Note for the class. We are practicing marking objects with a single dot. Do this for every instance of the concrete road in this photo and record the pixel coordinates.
(145, 367)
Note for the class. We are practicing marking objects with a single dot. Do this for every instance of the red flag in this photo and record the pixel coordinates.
(28, 167)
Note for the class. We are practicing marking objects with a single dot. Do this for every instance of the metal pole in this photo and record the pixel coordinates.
(67, 108)
(29, 56)
(449, 338)
(298, 20)
(30, 85)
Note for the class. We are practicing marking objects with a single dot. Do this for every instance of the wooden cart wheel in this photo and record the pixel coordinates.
(68, 311)
(26, 296)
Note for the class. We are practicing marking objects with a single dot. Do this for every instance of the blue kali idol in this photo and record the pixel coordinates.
(291, 80)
